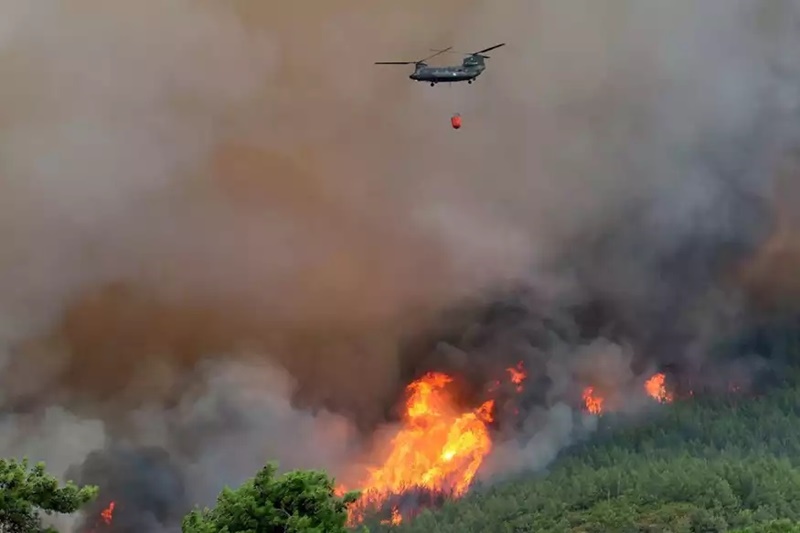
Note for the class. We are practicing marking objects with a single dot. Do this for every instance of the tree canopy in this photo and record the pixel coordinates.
(27, 492)
(713, 464)
(705, 464)
(298, 501)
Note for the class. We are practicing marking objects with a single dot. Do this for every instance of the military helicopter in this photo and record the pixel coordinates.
(470, 68)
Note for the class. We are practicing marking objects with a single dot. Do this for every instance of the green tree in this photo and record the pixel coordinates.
(294, 502)
(775, 526)
(26, 492)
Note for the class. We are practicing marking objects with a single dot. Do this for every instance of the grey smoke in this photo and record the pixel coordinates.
(144, 484)
(186, 183)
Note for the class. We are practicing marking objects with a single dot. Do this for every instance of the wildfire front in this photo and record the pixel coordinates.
(435, 454)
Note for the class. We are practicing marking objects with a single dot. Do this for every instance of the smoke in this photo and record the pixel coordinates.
(187, 185)
(144, 481)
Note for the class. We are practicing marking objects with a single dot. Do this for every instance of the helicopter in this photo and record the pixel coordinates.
(470, 68)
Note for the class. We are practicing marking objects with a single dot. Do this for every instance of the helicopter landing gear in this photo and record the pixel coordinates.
(433, 83)
(469, 82)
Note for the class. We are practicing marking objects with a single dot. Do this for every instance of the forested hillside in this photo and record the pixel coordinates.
(703, 464)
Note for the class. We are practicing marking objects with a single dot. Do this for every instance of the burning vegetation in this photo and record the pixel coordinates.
(141, 488)
(440, 446)
(657, 390)
(435, 454)
(594, 403)
(105, 519)
(654, 387)
(193, 214)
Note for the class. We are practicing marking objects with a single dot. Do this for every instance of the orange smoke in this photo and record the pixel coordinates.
(439, 448)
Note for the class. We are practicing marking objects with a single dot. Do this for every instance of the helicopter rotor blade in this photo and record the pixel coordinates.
(413, 62)
(488, 49)
(436, 54)
(480, 53)
(469, 54)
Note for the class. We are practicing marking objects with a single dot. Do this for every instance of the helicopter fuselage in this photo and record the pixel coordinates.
(448, 74)
(470, 68)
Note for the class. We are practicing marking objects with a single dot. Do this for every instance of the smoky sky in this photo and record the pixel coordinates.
(224, 232)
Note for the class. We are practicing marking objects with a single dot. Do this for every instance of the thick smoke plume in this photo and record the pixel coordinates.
(149, 488)
(226, 235)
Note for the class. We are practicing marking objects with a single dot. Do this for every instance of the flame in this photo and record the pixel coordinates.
(656, 389)
(395, 520)
(437, 449)
(108, 514)
(517, 375)
(593, 403)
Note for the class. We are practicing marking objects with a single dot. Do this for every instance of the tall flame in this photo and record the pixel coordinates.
(438, 449)
(593, 402)
(656, 388)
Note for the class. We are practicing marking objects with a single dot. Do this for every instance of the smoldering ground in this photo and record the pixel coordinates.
(187, 182)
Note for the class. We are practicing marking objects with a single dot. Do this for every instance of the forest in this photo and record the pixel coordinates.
(705, 463)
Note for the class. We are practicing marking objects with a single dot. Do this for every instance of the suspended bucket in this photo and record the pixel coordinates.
(455, 121)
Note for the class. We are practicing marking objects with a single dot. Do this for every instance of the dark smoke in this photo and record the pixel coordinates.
(227, 238)
(145, 484)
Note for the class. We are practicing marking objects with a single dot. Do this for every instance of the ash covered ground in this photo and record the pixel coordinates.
(228, 238)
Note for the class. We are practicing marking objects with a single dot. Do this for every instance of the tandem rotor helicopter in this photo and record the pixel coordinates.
(470, 68)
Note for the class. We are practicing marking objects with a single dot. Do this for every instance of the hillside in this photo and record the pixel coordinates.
(705, 464)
